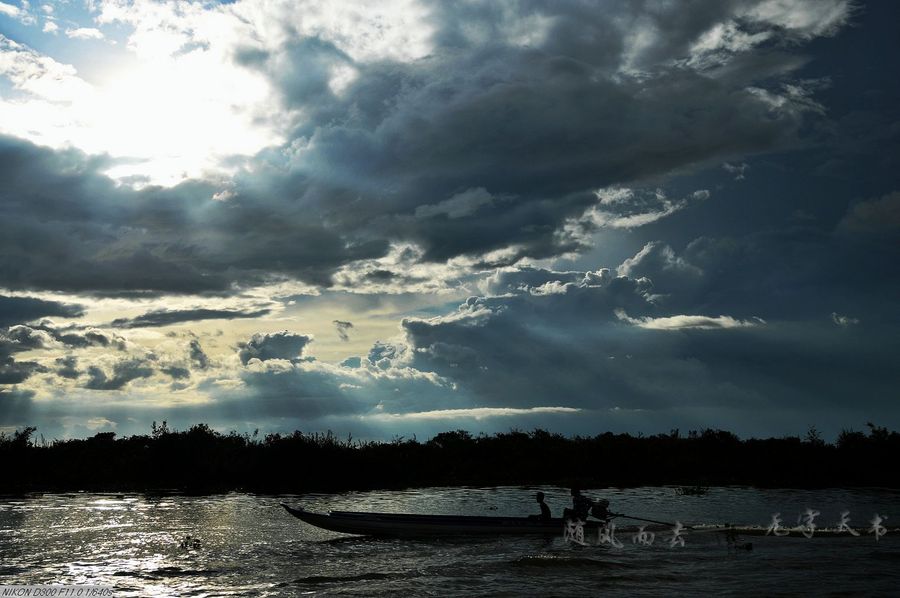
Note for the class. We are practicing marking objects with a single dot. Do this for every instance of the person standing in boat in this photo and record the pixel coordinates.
(545, 510)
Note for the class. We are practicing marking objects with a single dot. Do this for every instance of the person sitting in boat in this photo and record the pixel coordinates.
(545, 510)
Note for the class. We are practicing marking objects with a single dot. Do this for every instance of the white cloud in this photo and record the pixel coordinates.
(843, 321)
(98, 423)
(41, 77)
(756, 23)
(9, 10)
(476, 413)
(184, 80)
(803, 18)
(84, 33)
(738, 170)
(400, 271)
(199, 98)
(684, 322)
(619, 207)
(662, 257)
(50, 27)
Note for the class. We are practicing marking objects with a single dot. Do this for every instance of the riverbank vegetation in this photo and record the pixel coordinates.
(202, 460)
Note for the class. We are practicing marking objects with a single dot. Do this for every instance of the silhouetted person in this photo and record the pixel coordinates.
(581, 506)
(545, 510)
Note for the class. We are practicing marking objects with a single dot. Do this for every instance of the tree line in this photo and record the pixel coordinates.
(202, 460)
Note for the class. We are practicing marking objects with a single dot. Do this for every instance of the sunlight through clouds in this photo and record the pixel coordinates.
(407, 215)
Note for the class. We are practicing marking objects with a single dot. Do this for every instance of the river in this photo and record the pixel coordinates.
(246, 545)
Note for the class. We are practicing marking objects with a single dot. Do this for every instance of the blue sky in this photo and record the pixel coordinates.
(421, 216)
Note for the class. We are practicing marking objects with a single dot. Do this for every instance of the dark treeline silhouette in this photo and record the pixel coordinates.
(202, 460)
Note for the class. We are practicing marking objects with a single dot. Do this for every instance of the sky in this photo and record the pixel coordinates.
(394, 219)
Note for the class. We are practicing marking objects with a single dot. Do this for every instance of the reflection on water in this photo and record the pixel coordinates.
(247, 545)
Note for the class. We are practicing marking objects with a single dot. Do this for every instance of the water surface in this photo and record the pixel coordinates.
(249, 546)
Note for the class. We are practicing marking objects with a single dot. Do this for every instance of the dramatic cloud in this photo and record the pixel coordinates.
(68, 367)
(14, 372)
(460, 205)
(9, 10)
(122, 373)
(186, 242)
(14, 310)
(28, 338)
(587, 216)
(315, 390)
(487, 141)
(276, 345)
(197, 356)
(343, 329)
(686, 322)
(626, 208)
(84, 33)
(874, 216)
(478, 413)
(604, 360)
(167, 318)
(16, 338)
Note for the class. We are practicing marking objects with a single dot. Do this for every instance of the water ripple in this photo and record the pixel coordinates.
(243, 545)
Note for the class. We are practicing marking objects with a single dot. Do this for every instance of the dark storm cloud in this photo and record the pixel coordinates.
(19, 310)
(489, 143)
(65, 226)
(24, 338)
(534, 130)
(91, 337)
(15, 372)
(197, 356)
(176, 372)
(122, 373)
(68, 367)
(504, 347)
(11, 370)
(276, 345)
(16, 337)
(799, 271)
(164, 317)
(75, 336)
(570, 348)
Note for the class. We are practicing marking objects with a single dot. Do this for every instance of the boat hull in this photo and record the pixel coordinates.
(391, 524)
(402, 524)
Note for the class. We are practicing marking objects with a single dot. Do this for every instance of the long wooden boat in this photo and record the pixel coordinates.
(404, 524)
